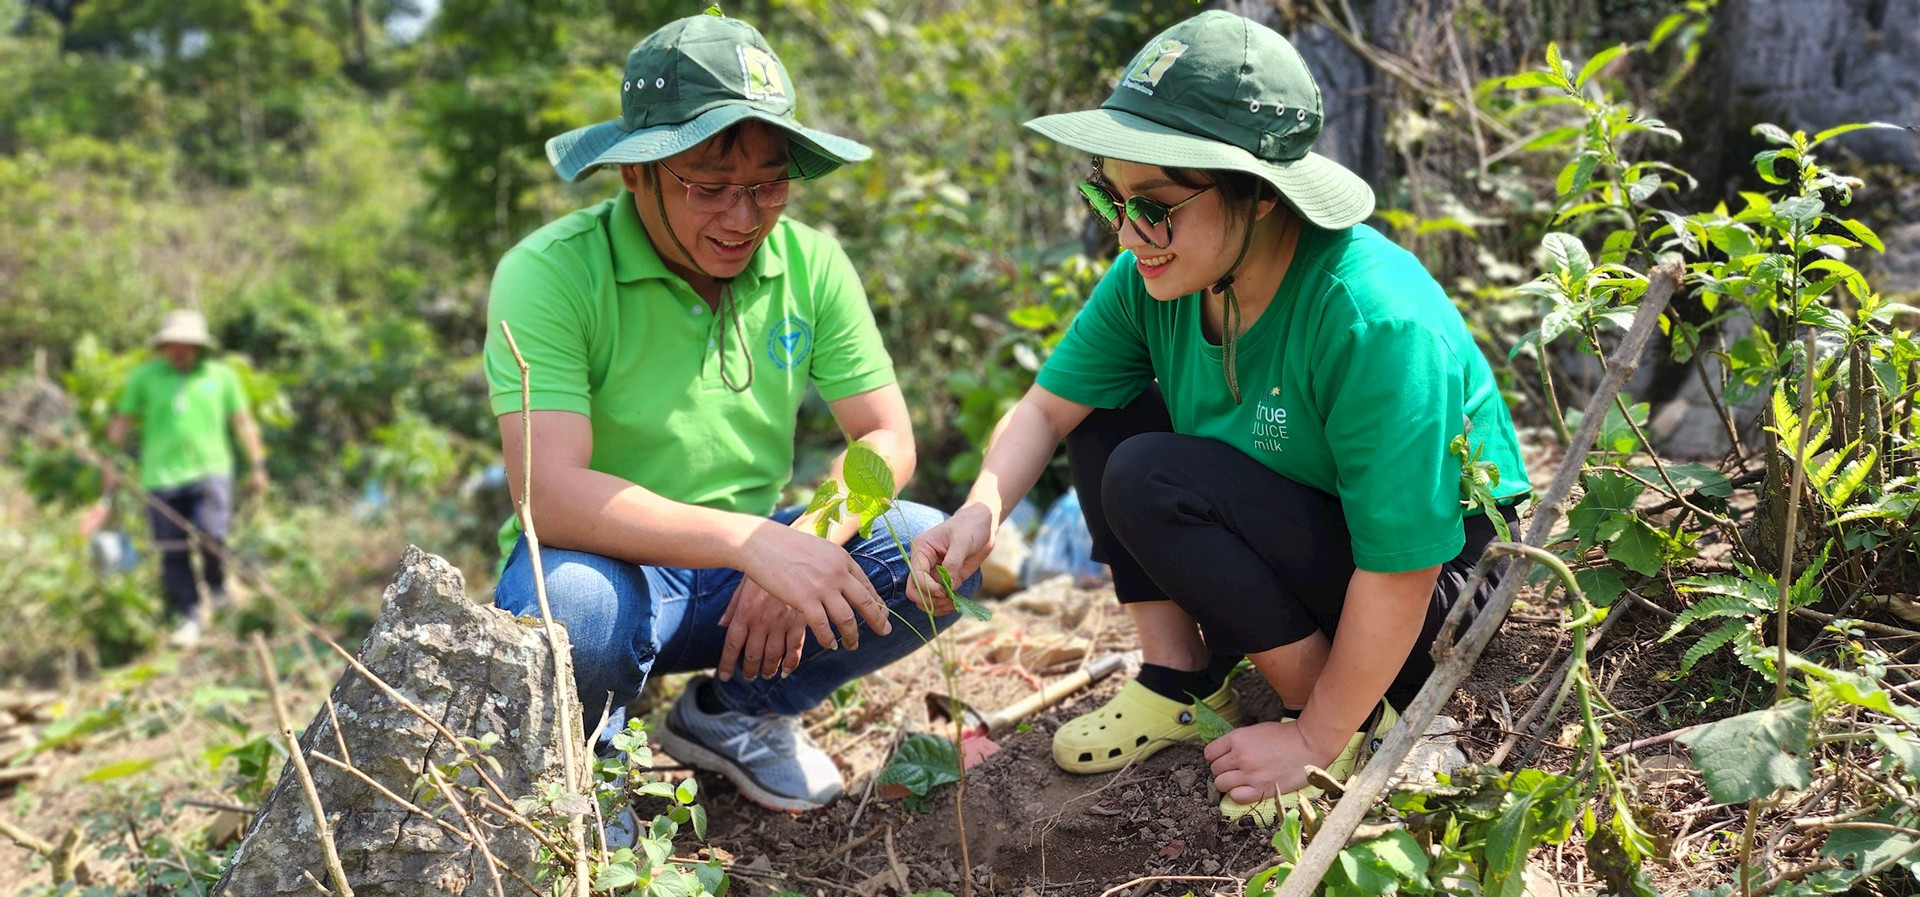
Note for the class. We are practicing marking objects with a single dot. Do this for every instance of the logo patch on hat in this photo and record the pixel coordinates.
(761, 74)
(1152, 66)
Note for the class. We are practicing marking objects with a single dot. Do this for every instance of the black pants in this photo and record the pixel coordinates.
(208, 505)
(1258, 560)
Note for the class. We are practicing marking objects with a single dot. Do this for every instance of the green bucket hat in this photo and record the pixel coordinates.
(688, 81)
(1219, 91)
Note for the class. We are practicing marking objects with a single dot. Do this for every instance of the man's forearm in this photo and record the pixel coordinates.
(586, 510)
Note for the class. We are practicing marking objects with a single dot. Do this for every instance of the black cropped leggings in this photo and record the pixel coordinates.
(1258, 560)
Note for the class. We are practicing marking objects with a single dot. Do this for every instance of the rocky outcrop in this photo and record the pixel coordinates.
(475, 670)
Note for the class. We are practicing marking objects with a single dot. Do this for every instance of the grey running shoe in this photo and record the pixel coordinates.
(769, 758)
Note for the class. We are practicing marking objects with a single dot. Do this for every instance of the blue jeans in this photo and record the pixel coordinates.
(628, 621)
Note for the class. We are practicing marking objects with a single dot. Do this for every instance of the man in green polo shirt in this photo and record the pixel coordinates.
(184, 405)
(671, 333)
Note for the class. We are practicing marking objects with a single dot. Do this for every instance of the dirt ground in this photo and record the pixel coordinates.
(1031, 830)
(1034, 830)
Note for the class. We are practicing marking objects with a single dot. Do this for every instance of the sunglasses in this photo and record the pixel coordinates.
(706, 197)
(1150, 219)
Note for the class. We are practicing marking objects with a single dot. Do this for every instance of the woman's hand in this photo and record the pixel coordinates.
(960, 544)
(1259, 761)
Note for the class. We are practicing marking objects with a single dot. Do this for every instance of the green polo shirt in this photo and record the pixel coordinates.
(1355, 381)
(183, 420)
(609, 332)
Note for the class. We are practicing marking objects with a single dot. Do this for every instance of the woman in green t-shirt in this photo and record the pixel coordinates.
(1260, 402)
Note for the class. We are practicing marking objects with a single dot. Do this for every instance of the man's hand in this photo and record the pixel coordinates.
(961, 544)
(764, 637)
(817, 579)
(1259, 761)
(257, 481)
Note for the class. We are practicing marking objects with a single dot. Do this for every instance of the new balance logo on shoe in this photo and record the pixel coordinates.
(745, 749)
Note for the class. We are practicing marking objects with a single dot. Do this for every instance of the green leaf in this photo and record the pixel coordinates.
(1900, 748)
(1398, 853)
(1551, 137)
(1508, 843)
(1713, 606)
(1364, 875)
(1568, 254)
(1803, 210)
(829, 503)
(1874, 846)
(1773, 134)
(1556, 65)
(868, 475)
(1753, 754)
(1609, 495)
(1598, 62)
(1692, 477)
(922, 763)
(1638, 547)
(1578, 174)
(1710, 643)
(1601, 585)
(1838, 130)
(616, 875)
(1209, 721)
(1863, 233)
(1527, 80)
(118, 770)
(961, 602)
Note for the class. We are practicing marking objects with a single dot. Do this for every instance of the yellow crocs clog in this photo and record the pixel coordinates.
(1360, 747)
(1136, 723)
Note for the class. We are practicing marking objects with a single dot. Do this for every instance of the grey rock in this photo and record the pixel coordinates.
(476, 670)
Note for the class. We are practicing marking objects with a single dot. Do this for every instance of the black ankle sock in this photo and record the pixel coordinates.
(1183, 685)
(707, 698)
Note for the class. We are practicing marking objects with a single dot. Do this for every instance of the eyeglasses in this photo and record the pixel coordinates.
(707, 197)
(1150, 219)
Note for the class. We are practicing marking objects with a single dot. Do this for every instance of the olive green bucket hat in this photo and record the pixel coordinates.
(688, 81)
(1220, 91)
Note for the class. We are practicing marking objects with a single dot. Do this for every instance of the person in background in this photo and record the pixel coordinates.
(1260, 402)
(189, 409)
(671, 333)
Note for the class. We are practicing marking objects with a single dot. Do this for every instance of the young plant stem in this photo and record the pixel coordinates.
(955, 707)
(1793, 519)
(567, 713)
(323, 829)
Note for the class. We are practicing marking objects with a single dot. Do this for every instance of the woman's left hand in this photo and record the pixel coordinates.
(1262, 760)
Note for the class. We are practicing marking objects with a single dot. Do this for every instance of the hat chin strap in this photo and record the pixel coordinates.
(728, 307)
(1230, 325)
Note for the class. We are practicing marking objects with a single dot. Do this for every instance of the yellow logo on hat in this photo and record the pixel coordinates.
(762, 74)
(1152, 66)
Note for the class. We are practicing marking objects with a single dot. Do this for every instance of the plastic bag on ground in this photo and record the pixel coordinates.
(1064, 546)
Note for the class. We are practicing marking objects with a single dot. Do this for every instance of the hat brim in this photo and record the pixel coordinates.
(1321, 190)
(579, 152)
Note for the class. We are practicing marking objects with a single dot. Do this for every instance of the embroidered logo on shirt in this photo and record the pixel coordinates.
(789, 342)
(1270, 422)
(1152, 66)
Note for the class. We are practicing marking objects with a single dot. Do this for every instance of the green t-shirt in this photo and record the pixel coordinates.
(183, 420)
(1355, 381)
(609, 332)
